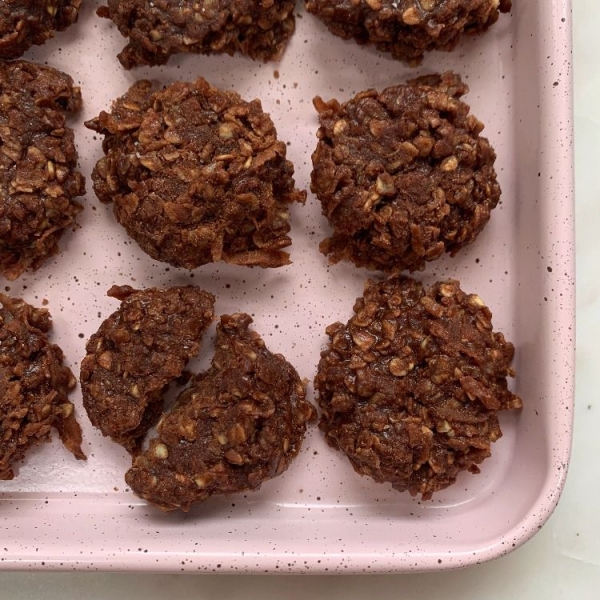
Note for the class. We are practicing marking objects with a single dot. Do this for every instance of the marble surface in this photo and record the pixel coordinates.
(562, 561)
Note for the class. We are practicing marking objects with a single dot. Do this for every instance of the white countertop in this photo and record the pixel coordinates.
(562, 561)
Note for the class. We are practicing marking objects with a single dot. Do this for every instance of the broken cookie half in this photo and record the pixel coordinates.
(136, 353)
(234, 427)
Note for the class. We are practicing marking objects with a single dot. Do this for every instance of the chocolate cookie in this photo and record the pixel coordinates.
(196, 175)
(38, 161)
(236, 426)
(403, 175)
(408, 28)
(158, 29)
(136, 353)
(410, 387)
(34, 385)
(25, 23)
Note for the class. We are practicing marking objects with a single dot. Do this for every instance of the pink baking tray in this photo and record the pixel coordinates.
(320, 516)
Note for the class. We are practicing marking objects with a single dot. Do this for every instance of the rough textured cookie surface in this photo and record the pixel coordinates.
(157, 29)
(38, 160)
(34, 385)
(136, 353)
(410, 387)
(196, 175)
(25, 23)
(403, 175)
(408, 28)
(235, 426)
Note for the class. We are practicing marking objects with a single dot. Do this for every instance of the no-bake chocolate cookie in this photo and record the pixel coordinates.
(411, 386)
(235, 426)
(408, 28)
(34, 385)
(38, 160)
(403, 175)
(157, 29)
(196, 175)
(25, 23)
(136, 353)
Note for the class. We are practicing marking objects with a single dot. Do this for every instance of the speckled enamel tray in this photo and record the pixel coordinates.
(320, 516)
